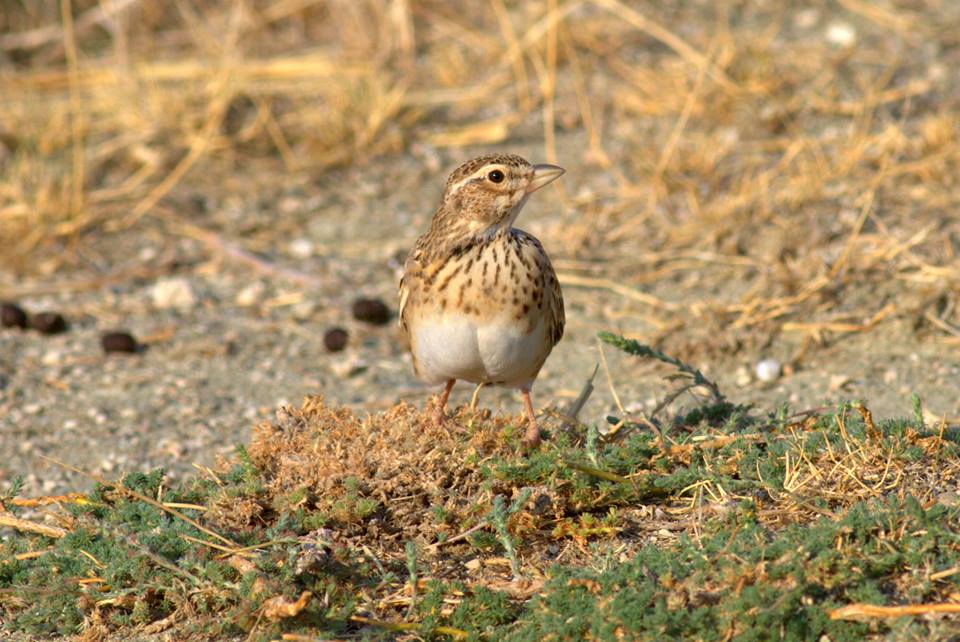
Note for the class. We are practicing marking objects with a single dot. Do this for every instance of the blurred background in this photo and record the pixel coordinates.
(758, 182)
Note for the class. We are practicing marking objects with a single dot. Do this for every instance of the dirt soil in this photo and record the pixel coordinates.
(245, 341)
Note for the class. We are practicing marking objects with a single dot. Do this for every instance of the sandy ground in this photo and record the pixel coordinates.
(245, 341)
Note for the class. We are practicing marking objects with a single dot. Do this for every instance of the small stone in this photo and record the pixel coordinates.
(838, 382)
(841, 34)
(304, 310)
(12, 316)
(251, 295)
(300, 248)
(373, 311)
(119, 341)
(349, 367)
(473, 565)
(335, 339)
(173, 293)
(890, 376)
(48, 323)
(742, 377)
(768, 370)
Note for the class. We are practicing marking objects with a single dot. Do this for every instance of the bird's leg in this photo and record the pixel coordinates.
(532, 437)
(442, 404)
(476, 395)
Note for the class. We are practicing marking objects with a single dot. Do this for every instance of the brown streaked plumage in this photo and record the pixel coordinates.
(479, 299)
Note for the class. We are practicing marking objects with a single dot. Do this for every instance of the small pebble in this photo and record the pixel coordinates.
(335, 339)
(173, 293)
(768, 370)
(48, 323)
(301, 248)
(841, 34)
(13, 316)
(372, 311)
(118, 342)
(838, 382)
(348, 367)
(304, 310)
(252, 294)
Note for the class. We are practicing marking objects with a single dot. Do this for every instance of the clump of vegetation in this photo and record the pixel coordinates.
(722, 524)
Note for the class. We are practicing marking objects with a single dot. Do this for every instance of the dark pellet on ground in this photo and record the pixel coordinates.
(119, 342)
(372, 311)
(335, 339)
(12, 316)
(48, 322)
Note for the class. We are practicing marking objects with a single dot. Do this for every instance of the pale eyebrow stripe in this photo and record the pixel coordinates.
(480, 173)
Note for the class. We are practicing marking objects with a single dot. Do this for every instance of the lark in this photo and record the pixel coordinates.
(479, 299)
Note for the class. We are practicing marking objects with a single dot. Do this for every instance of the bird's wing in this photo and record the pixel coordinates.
(412, 270)
(557, 318)
(552, 295)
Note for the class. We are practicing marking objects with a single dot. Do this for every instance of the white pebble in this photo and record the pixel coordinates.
(841, 34)
(768, 370)
(303, 311)
(301, 248)
(349, 366)
(251, 295)
(173, 293)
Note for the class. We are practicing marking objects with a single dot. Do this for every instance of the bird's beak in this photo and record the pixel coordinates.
(544, 174)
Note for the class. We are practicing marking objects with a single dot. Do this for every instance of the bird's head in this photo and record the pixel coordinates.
(486, 194)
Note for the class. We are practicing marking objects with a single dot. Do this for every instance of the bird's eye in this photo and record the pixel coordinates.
(496, 176)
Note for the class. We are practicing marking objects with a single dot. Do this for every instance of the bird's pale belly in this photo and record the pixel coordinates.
(499, 351)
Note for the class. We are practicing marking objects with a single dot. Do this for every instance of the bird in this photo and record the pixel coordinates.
(479, 300)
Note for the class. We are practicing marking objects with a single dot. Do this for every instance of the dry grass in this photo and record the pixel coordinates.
(778, 168)
(398, 458)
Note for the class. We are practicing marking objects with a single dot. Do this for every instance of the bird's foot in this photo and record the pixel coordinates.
(531, 438)
(438, 413)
